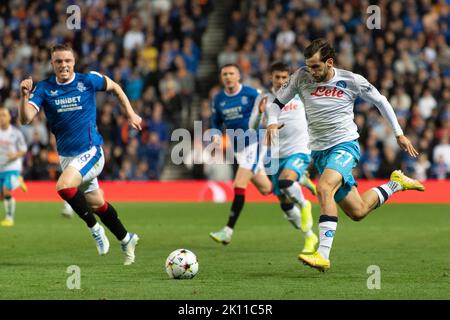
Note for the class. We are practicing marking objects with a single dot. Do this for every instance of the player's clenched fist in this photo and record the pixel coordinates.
(26, 86)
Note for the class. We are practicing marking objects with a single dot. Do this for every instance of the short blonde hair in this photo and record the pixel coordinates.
(61, 47)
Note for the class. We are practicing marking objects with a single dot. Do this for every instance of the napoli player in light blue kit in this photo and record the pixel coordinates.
(232, 108)
(68, 100)
(289, 158)
(328, 94)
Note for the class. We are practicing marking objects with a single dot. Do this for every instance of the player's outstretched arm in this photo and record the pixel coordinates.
(134, 119)
(407, 146)
(258, 109)
(26, 113)
(271, 132)
(372, 95)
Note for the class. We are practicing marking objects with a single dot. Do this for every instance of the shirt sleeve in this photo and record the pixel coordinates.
(273, 111)
(288, 90)
(98, 80)
(216, 118)
(37, 96)
(21, 145)
(370, 94)
(255, 117)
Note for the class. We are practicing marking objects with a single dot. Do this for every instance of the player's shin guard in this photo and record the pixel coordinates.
(108, 216)
(10, 207)
(236, 207)
(293, 191)
(79, 204)
(327, 229)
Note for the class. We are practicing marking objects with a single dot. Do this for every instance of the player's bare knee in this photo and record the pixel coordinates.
(324, 190)
(265, 191)
(356, 217)
(61, 184)
(95, 206)
(355, 213)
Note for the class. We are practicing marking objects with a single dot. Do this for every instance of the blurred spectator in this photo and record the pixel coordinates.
(422, 167)
(370, 162)
(134, 42)
(407, 60)
(441, 153)
(389, 163)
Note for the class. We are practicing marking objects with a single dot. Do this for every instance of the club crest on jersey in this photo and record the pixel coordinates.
(244, 100)
(286, 84)
(341, 84)
(81, 87)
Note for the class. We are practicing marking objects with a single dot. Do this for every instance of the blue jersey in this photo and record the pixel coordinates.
(71, 111)
(233, 111)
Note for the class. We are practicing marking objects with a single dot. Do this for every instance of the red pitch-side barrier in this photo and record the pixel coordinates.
(200, 191)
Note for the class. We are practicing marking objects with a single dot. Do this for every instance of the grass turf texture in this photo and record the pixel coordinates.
(409, 243)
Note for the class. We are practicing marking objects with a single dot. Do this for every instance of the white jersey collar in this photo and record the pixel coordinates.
(334, 76)
(234, 94)
(65, 83)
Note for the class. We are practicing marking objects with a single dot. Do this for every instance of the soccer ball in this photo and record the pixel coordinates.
(181, 264)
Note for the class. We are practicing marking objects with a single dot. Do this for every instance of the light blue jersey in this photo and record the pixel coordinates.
(234, 111)
(71, 111)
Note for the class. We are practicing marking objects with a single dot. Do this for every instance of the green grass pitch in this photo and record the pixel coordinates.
(409, 243)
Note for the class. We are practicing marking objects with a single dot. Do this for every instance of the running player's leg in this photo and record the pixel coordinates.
(77, 170)
(241, 180)
(262, 182)
(249, 161)
(358, 206)
(67, 210)
(327, 186)
(67, 187)
(336, 181)
(71, 186)
(288, 184)
(109, 217)
(10, 208)
(10, 183)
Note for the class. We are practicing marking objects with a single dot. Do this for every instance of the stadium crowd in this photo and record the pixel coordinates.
(408, 60)
(151, 48)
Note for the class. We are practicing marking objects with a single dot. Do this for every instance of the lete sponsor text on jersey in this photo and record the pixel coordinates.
(322, 91)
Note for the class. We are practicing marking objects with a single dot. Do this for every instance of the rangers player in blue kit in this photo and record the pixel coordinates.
(68, 100)
(232, 108)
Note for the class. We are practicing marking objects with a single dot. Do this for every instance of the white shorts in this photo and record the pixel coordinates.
(251, 157)
(89, 164)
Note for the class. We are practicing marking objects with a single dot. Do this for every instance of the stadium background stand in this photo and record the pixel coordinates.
(166, 55)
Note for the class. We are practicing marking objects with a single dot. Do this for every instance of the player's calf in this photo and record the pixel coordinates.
(292, 214)
(293, 191)
(108, 215)
(78, 202)
(128, 241)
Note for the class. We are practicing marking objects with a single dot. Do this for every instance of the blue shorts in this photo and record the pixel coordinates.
(9, 180)
(342, 157)
(297, 162)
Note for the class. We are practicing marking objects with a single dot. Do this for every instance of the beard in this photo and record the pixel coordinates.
(321, 77)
